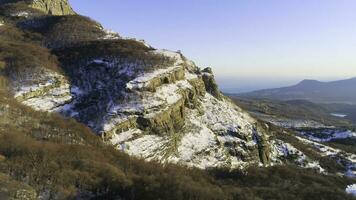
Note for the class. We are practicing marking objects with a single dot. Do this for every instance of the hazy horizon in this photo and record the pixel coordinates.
(249, 84)
(249, 44)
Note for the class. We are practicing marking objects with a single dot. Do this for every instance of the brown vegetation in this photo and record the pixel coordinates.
(48, 153)
(65, 167)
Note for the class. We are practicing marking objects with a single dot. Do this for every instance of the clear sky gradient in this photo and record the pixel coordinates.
(250, 44)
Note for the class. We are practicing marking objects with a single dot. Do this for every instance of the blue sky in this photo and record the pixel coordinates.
(250, 44)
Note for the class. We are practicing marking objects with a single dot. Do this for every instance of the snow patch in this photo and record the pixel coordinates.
(347, 159)
(54, 100)
(222, 116)
(290, 123)
(21, 14)
(190, 76)
(296, 123)
(138, 40)
(111, 124)
(124, 136)
(148, 147)
(51, 94)
(328, 135)
(199, 147)
(338, 115)
(100, 61)
(282, 150)
(110, 35)
(143, 80)
(325, 150)
(24, 89)
(351, 189)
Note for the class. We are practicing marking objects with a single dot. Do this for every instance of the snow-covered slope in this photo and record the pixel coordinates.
(316, 136)
(149, 103)
(167, 115)
(153, 104)
(348, 160)
(282, 150)
(50, 91)
(351, 189)
(168, 110)
(216, 134)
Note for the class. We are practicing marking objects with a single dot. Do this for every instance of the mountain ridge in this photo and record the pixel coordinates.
(329, 82)
(339, 91)
(146, 102)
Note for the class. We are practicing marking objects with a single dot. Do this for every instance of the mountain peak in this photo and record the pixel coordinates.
(339, 91)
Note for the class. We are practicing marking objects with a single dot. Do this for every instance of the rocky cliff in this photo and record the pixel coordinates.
(53, 7)
(159, 107)
(150, 103)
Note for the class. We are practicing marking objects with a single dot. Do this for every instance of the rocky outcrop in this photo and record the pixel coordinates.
(177, 107)
(162, 122)
(168, 121)
(210, 83)
(166, 78)
(264, 147)
(170, 97)
(53, 7)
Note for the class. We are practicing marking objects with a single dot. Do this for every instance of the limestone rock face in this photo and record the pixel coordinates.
(53, 7)
(174, 114)
(149, 103)
(169, 112)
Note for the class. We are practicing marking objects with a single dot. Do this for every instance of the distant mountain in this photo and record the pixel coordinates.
(342, 91)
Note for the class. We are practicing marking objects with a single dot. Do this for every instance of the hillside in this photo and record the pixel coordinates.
(88, 114)
(341, 92)
(154, 104)
(44, 156)
(314, 122)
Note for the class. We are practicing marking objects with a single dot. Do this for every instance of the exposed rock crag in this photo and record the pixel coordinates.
(155, 104)
(51, 7)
